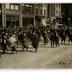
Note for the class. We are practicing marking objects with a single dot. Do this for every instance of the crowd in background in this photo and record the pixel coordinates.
(49, 35)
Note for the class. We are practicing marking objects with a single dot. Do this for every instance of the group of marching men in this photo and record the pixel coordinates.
(34, 36)
(20, 36)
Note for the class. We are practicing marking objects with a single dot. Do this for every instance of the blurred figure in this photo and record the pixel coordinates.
(57, 40)
(52, 38)
(35, 40)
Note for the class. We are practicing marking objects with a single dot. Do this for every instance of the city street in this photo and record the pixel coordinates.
(22, 23)
(46, 57)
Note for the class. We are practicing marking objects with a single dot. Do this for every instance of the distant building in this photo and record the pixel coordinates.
(54, 13)
(23, 15)
(44, 14)
(37, 15)
(27, 14)
(67, 14)
(12, 15)
(0, 15)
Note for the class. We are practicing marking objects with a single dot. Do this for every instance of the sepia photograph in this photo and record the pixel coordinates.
(35, 35)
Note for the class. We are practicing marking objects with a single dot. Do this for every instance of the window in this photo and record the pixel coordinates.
(59, 13)
(40, 11)
(40, 5)
(36, 11)
(57, 20)
(44, 4)
(27, 9)
(7, 6)
(32, 10)
(56, 11)
(57, 5)
(0, 6)
(12, 7)
(16, 7)
(44, 12)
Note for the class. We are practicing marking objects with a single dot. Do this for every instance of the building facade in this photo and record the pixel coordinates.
(26, 15)
(22, 15)
(44, 14)
(0, 15)
(67, 14)
(12, 15)
(38, 14)
(54, 13)
(9, 15)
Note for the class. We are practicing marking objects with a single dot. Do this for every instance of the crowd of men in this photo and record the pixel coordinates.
(34, 36)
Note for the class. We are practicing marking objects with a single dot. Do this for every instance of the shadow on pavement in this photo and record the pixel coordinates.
(30, 51)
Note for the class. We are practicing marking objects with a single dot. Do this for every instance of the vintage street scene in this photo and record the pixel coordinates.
(35, 36)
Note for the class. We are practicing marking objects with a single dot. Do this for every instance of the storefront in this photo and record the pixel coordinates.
(27, 22)
(12, 21)
(12, 18)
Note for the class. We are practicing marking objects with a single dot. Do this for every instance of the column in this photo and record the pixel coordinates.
(3, 16)
(34, 16)
(20, 17)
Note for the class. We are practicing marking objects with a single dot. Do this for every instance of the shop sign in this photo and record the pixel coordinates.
(12, 12)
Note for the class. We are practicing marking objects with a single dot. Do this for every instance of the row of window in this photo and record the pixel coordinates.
(38, 11)
(16, 6)
(58, 5)
(12, 6)
(58, 9)
(27, 8)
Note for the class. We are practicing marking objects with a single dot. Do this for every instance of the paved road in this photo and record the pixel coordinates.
(46, 57)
